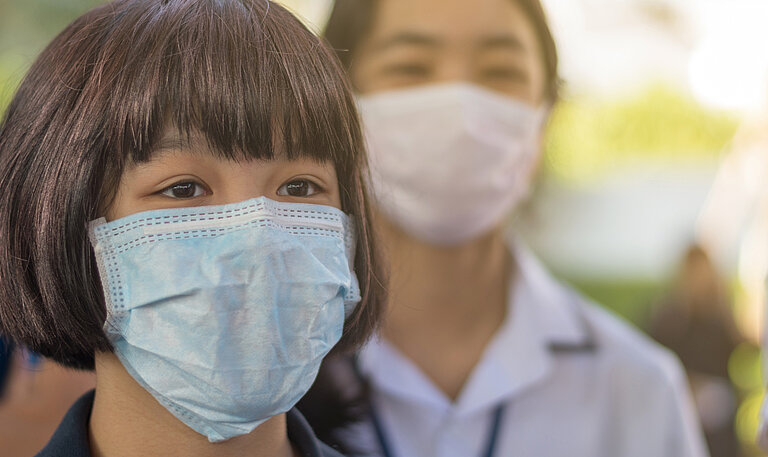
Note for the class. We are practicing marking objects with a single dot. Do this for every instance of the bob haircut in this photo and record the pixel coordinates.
(351, 20)
(246, 74)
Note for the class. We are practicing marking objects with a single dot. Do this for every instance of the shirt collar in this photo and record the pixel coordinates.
(558, 308)
(543, 318)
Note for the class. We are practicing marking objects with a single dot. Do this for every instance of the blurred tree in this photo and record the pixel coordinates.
(587, 136)
(30, 24)
(25, 28)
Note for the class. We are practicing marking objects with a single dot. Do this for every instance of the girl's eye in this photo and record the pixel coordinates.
(298, 188)
(184, 190)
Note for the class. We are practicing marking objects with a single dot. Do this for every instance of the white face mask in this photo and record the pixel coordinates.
(448, 162)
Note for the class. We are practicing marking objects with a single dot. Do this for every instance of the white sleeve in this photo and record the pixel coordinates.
(683, 433)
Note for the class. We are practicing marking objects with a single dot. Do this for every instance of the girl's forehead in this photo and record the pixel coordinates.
(175, 144)
(174, 150)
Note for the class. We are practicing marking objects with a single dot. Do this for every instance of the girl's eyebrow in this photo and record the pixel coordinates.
(171, 143)
(174, 143)
(166, 149)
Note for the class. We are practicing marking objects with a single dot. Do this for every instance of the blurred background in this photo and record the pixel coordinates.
(654, 194)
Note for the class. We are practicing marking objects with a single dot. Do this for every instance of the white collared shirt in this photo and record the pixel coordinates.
(574, 381)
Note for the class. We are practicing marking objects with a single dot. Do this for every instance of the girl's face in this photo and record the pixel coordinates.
(184, 174)
(490, 43)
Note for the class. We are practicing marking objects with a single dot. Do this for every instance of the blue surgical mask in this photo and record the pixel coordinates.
(224, 313)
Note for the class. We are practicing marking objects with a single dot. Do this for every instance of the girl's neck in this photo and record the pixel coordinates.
(126, 420)
(446, 303)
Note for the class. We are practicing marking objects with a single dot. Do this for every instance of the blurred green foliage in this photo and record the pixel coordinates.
(633, 300)
(745, 371)
(10, 76)
(586, 136)
(26, 24)
(25, 28)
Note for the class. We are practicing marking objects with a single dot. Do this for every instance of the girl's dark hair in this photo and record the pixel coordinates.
(243, 73)
(351, 20)
(6, 361)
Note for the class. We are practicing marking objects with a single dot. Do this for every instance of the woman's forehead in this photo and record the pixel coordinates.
(436, 23)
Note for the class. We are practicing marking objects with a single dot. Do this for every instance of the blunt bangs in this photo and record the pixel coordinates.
(232, 71)
(244, 74)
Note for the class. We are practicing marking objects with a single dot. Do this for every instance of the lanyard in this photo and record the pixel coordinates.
(587, 346)
(490, 447)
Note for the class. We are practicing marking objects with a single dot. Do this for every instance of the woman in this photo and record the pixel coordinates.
(182, 209)
(484, 353)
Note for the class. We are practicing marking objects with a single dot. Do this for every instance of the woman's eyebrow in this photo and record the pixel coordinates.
(406, 38)
(504, 41)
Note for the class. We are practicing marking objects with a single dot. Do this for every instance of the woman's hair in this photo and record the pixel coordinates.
(351, 20)
(243, 73)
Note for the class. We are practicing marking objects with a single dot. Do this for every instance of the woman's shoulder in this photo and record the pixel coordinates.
(626, 349)
(618, 345)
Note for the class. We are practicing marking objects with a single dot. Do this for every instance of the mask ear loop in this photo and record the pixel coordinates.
(352, 297)
(102, 250)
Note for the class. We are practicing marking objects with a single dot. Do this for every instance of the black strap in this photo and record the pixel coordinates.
(381, 436)
(493, 435)
(588, 346)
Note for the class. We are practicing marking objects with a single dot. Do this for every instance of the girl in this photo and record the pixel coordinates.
(182, 209)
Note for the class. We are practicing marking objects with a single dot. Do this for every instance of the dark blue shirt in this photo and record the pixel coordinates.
(71, 438)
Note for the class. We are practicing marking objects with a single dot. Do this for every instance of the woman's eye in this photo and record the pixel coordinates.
(298, 188)
(184, 190)
(406, 70)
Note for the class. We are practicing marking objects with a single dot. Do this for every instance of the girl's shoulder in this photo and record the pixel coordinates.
(302, 437)
(71, 437)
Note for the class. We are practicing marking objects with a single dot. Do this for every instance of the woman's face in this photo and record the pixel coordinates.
(490, 43)
(185, 174)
